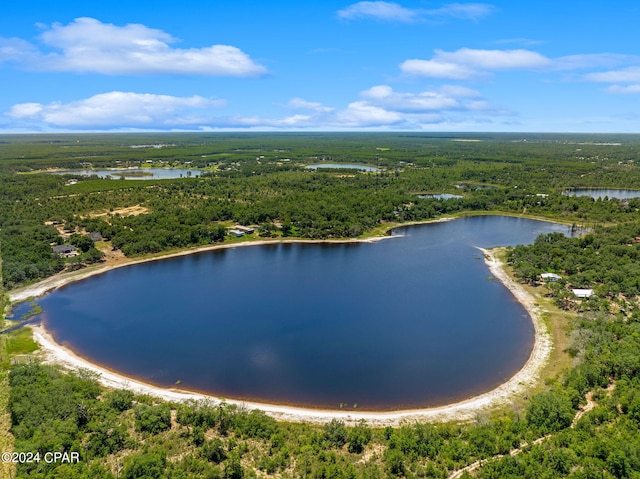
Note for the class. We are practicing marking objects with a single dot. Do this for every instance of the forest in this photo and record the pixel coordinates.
(583, 422)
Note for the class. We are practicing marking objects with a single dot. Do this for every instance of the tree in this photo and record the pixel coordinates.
(358, 437)
(153, 419)
(149, 465)
(394, 461)
(82, 242)
(213, 451)
(335, 433)
(550, 411)
(120, 399)
(233, 469)
(93, 255)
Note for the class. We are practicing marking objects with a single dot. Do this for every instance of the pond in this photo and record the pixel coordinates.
(135, 173)
(442, 196)
(342, 165)
(411, 321)
(603, 192)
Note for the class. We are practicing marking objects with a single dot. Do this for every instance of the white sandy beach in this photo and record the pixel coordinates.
(461, 411)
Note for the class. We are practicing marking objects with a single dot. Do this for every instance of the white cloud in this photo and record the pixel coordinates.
(437, 69)
(307, 105)
(378, 11)
(390, 11)
(361, 114)
(593, 60)
(15, 49)
(494, 59)
(117, 110)
(384, 96)
(25, 110)
(631, 74)
(467, 11)
(88, 45)
(382, 107)
(467, 63)
(379, 107)
(458, 91)
(356, 115)
(629, 89)
(521, 40)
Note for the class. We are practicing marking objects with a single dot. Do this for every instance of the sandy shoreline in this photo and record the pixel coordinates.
(62, 279)
(461, 411)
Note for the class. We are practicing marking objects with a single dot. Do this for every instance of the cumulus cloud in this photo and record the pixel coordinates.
(15, 49)
(384, 96)
(378, 107)
(382, 107)
(494, 59)
(88, 45)
(437, 69)
(467, 62)
(389, 11)
(118, 109)
(630, 76)
(362, 114)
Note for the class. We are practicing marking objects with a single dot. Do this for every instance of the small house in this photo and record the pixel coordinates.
(95, 236)
(65, 250)
(582, 293)
(236, 232)
(550, 277)
(245, 229)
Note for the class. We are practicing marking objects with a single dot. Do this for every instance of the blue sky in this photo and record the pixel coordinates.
(543, 66)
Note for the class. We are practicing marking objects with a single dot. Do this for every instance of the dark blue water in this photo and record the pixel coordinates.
(404, 322)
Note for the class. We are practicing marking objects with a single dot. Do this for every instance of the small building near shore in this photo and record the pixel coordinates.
(236, 232)
(582, 293)
(65, 250)
(245, 229)
(550, 277)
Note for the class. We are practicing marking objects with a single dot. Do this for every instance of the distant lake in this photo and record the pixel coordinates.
(442, 196)
(405, 322)
(136, 174)
(342, 165)
(601, 193)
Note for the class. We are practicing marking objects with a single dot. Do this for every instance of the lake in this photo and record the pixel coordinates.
(342, 165)
(442, 196)
(412, 321)
(136, 174)
(603, 192)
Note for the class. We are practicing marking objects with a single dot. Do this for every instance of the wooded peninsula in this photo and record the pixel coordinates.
(59, 214)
